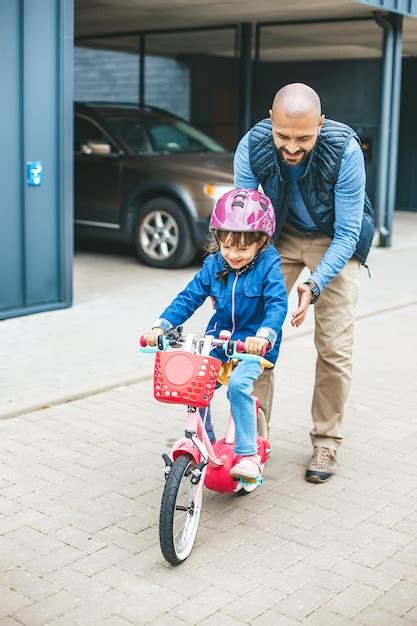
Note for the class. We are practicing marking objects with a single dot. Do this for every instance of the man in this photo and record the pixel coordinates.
(313, 171)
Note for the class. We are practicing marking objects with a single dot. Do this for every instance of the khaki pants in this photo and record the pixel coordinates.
(333, 336)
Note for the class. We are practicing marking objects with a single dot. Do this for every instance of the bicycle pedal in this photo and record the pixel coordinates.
(251, 481)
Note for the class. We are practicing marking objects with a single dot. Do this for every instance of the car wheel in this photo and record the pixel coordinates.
(163, 235)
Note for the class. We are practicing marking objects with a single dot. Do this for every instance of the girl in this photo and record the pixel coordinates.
(242, 275)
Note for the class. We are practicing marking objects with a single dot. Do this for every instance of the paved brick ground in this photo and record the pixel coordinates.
(81, 482)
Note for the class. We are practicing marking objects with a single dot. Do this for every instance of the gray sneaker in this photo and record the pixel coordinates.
(322, 465)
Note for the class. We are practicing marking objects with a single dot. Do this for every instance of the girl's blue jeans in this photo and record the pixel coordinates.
(243, 408)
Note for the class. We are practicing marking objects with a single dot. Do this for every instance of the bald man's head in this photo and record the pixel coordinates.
(297, 100)
(296, 122)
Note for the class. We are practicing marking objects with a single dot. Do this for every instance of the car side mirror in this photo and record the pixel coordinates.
(96, 147)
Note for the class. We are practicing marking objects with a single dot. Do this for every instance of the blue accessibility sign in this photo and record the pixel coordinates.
(34, 173)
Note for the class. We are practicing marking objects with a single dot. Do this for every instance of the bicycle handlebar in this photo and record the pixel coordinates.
(233, 348)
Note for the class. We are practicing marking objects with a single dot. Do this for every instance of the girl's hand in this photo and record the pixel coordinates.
(152, 335)
(255, 345)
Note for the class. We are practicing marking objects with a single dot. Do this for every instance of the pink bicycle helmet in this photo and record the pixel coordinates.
(244, 210)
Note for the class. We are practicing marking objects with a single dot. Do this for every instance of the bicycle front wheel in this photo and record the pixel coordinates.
(180, 511)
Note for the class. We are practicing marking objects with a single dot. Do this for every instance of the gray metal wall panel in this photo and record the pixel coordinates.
(11, 171)
(407, 154)
(36, 229)
(40, 44)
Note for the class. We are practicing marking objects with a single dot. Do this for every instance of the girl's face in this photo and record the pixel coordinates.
(238, 256)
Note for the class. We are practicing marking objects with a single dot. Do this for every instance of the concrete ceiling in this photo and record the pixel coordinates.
(347, 40)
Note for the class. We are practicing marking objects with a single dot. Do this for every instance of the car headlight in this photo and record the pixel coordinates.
(216, 191)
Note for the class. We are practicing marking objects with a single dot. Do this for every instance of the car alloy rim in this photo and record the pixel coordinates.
(159, 235)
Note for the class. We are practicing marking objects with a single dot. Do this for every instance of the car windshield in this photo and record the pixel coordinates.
(153, 132)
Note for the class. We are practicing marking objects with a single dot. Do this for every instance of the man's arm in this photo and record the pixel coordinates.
(244, 177)
(349, 202)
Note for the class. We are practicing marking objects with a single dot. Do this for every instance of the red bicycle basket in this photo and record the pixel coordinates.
(184, 378)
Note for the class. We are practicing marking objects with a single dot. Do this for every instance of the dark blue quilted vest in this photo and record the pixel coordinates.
(316, 184)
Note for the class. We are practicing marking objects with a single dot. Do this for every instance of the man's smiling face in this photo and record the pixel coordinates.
(295, 136)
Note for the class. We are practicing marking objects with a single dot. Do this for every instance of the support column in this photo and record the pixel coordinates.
(389, 124)
(245, 78)
(397, 22)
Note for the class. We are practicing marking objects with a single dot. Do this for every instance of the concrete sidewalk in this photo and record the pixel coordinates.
(61, 355)
(81, 482)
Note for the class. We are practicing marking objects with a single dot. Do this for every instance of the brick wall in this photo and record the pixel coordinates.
(114, 76)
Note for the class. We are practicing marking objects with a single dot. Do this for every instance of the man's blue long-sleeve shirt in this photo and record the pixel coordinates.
(349, 202)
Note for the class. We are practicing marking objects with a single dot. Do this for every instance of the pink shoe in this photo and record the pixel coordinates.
(247, 467)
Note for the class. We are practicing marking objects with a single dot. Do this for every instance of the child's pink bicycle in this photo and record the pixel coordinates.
(189, 376)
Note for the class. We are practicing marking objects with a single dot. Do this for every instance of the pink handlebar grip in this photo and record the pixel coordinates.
(142, 341)
(240, 347)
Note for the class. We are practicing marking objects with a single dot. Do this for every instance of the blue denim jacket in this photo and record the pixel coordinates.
(251, 302)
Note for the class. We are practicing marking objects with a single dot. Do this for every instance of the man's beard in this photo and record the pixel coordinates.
(301, 161)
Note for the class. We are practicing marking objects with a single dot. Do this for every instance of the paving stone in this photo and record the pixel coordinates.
(167, 620)
(100, 560)
(114, 620)
(302, 602)
(408, 554)
(353, 599)
(279, 580)
(285, 555)
(218, 619)
(372, 616)
(311, 517)
(18, 520)
(127, 583)
(42, 612)
(49, 562)
(366, 575)
(330, 554)
(373, 553)
(34, 540)
(233, 582)
(270, 618)
(399, 599)
(15, 557)
(151, 607)
(322, 616)
(27, 584)
(77, 583)
(79, 539)
(11, 601)
(398, 569)
(322, 578)
(101, 520)
(9, 621)
(95, 610)
(203, 604)
(254, 603)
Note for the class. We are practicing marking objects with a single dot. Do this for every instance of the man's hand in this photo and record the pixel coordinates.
(255, 345)
(152, 335)
(304, 299)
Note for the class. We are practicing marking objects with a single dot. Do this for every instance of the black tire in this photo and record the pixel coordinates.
(162, 235)
(176, 546)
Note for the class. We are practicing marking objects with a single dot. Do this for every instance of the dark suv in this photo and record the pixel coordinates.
(146, 176)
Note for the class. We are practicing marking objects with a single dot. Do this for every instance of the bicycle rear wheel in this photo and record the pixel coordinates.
(180, 511)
